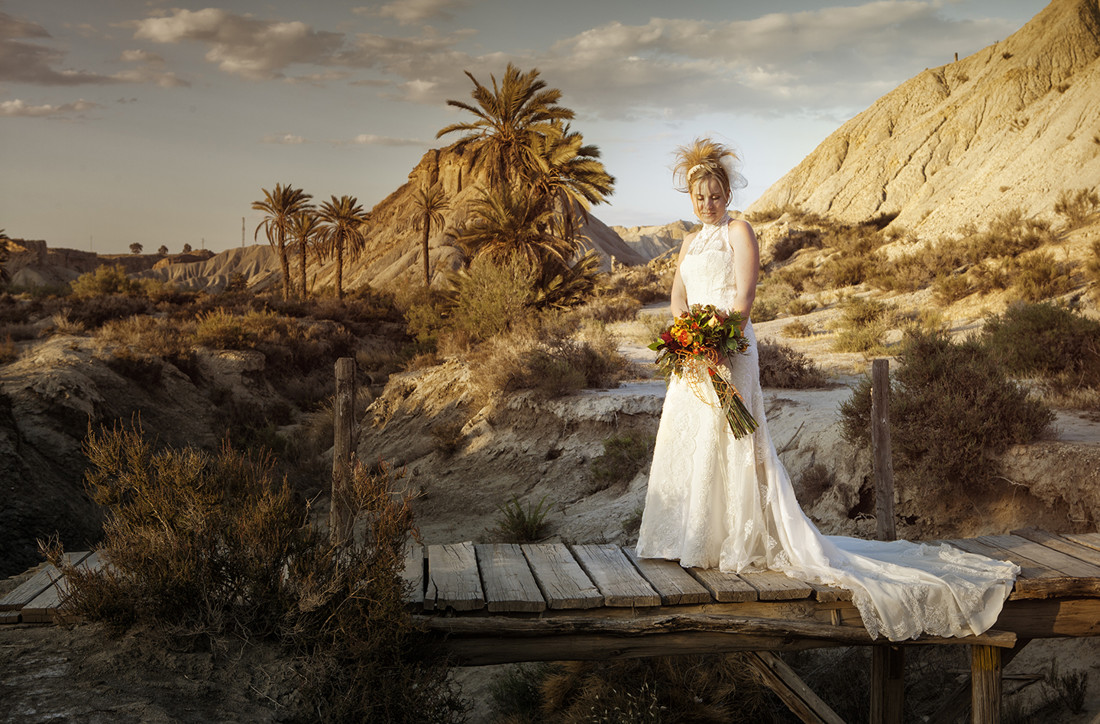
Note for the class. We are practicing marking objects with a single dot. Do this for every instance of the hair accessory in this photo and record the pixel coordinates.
(693, 169)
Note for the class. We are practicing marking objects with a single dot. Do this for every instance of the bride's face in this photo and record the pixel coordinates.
(709, 200)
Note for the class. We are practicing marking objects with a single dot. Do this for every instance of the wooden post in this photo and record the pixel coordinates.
(985, 681)
(343, 450)
(880, 448)
(887, 662)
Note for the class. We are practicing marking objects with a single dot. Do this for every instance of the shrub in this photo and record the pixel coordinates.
(522, 524)
(844, 271)
(772, 296)
(1077, 206)
(813, 482)
(447, 437)
(797, 328)
(610, 309)
(952, 412)
(489, 298)
(1040, 277)
(862, 325)
(105, 280)
(951, 288)
(8, 351)
(792, 242)
(623, 456)
(798, 307)
(781, 366)
(207, 544)
(94, 311)
(1045, 340)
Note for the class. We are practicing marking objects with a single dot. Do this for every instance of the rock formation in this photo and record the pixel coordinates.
(1008, 127)
(652, 241)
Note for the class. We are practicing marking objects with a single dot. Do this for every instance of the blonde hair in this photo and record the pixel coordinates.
(705, 158)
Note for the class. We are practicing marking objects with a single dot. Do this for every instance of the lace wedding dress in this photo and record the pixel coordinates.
(719, 502)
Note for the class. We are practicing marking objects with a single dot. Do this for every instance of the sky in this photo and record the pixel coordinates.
(160, 122)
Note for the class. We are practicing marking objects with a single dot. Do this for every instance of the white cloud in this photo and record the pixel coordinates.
(286, 139)
(370, 139)
(18, 107)
(22, 62)
(142, 56)
(240, 44)
(412, 11)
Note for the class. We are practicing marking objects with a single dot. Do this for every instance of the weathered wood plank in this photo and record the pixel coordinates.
(1055, 560)
(1034, 581)
(507, 578)
(561, 579)
(985, 682)
(1058, 543)
(615, 576)
(9, 617)
(792, 690)
(45, 607)
(413, 574)
(725, 587)
(453, 580)
(887, 684)
(669, 579)
(829, 594)
(1090, 540)
(36, 584)
(776, 586)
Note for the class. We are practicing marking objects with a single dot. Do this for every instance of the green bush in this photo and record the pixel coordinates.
(623, 456)
(105, 280)
(489, 297)
(952, 413)
(1045, 340)
(522, 524)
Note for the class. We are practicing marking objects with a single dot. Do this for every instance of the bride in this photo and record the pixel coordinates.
(715, 501)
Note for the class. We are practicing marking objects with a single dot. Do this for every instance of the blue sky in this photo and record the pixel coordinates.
(159, 122)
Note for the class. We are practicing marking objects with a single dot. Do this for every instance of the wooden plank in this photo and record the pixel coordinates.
(413, 574)
(453, 580)
(776, 586)
(508, 581)
(792, 690)
(1055, 560)
(887, 684)
(615, 576)
(1058, 543)
(669, 579)
(45, 607)
(36, 584)
(829, 594)
(561, 579)
(1089, 540)
(725, 587)
(9, 617)
(1034, 581)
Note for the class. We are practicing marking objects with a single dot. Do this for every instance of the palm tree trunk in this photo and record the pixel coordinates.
(427, 232)
(302, 282)
(340, 269)
(284, 261)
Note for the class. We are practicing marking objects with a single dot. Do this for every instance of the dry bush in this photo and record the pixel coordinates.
(648, 283)
(1040, 276)
(813, 482)
(1078, 207)
(798, 307)
(144, 334)
(1009, 235)
(62, 324)
(951, 288)
(794, 241)
(773, 295)
(844, 271)
(8, 351)
(104, 281)
(862, 325)
(609, 309)
(94, 312)
(781, 366)
(799, 278)
(204, 545)
(952, 413)
(797, 328)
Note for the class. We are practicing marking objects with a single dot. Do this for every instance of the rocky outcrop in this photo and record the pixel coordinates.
(258, 264)
(1008, 127)
(652, 241)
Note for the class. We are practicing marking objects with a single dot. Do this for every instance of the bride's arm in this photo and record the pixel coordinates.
(679, 293)
(746, 262)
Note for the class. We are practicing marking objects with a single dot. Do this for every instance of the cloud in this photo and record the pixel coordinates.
(412, 11)
(142, 56)
(22, 62)
(369, 139)
(285, 139)
(241, 45)
(20, 108)
(151, 70)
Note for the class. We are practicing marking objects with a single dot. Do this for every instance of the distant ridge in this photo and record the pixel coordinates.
(1010, 126)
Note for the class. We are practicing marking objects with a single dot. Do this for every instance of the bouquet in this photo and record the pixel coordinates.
(707, 337)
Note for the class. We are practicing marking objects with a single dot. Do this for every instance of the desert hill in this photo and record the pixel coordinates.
(652, 241)
(394, 248)
(258, 264)
(1008, 127)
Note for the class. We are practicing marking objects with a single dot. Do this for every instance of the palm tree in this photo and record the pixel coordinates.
(510, 221)
(343, 227)
(572, 177)
(280, 206)
(305, 227)
(3, 255)
(511, 118)
(431, 203)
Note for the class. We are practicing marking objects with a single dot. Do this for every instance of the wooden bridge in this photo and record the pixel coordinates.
(499, 603)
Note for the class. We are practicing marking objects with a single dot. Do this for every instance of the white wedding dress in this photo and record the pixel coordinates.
(719, 502)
